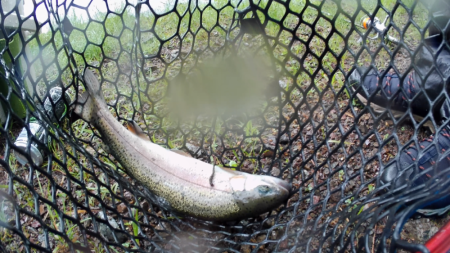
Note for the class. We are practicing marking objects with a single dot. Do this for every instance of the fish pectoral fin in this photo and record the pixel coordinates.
(237, 183)
(135, 129)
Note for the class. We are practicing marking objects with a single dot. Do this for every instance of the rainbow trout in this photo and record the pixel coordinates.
(181, 184)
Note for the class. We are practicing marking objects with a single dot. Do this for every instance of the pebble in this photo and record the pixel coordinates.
(107, 232)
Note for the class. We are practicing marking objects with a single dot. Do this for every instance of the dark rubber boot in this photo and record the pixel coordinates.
(424, 170)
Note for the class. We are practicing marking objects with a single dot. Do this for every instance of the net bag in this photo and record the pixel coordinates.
(345, 100)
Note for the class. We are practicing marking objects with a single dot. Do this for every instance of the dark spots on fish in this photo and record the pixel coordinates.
(184, 199)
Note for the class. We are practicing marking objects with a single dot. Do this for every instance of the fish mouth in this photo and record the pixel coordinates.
(284, 186)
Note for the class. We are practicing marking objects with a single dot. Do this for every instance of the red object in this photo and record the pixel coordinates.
(440, 242)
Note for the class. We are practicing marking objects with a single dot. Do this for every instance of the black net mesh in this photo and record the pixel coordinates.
(319, 126)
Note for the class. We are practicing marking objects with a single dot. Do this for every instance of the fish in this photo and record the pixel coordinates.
(182, 184)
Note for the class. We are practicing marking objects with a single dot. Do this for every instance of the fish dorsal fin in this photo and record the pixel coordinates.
(135, 129)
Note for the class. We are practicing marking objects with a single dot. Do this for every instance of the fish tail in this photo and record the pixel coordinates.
(92, 84)
(89, 101)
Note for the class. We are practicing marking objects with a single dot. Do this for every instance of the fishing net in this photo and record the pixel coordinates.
(313, 127)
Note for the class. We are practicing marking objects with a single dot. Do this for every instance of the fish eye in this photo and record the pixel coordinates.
(263, 188)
